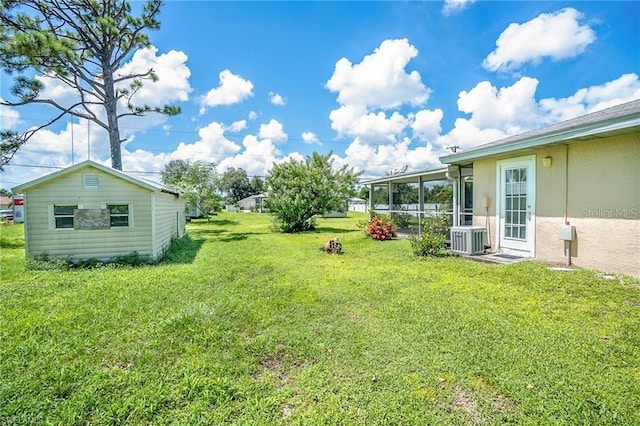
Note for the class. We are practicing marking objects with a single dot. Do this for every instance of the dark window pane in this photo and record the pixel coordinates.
(523, 232)
(64, 222)
(64, 210)
(119, 221)
(118, 208)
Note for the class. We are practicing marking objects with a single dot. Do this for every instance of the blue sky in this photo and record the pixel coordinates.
(382, 85)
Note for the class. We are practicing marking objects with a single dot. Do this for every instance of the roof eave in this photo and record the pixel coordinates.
(89, 163)
(571, 135)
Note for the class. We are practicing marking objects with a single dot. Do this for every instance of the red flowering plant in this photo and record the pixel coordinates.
(381, 228)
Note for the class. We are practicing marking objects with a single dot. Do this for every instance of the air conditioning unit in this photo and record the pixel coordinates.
(468, 239)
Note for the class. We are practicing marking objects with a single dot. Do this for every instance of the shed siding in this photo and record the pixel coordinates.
(83, 244)
(169, 220)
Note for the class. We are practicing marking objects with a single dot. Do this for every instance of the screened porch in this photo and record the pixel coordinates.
(410, 197)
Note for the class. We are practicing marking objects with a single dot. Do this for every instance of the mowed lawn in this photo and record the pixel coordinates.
(255, 327)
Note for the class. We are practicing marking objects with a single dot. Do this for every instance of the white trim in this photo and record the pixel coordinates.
(528, 248)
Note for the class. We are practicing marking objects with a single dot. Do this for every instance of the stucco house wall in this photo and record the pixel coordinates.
(154, 216)
(597, 183)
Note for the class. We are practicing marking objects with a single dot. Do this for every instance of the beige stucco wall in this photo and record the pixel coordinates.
(604, 203)
(597, 183)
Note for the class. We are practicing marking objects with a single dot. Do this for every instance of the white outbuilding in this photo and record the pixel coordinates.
(92, 211)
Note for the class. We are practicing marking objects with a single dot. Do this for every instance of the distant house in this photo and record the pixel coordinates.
(357, 205)
(92, 211)
(5, 203)
(253, 203)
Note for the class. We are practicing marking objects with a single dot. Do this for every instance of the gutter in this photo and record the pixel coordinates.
(575, 133)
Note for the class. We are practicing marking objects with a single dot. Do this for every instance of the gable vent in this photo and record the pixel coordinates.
(91, 182)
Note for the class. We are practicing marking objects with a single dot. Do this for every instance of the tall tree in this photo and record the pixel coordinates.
(174, 173)
(257, 185)
(198, 181)
(235, 183)
(299, 190)
(82, 44)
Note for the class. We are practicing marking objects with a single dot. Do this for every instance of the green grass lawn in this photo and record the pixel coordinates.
(254, 327)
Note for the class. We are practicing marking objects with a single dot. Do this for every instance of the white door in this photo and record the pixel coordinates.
(516, 205)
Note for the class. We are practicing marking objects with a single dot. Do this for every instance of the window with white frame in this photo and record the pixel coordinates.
(63, 215)
(120, 214)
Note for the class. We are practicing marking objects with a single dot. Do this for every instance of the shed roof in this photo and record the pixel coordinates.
(253, 197)
(620, 119)
(148, 184)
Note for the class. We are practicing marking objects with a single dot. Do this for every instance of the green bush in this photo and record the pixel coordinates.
(401, 220)
(430, 242)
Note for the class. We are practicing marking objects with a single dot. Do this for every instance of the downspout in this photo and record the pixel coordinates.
(566, 184)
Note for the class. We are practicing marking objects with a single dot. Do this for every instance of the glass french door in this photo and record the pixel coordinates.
(516, 205)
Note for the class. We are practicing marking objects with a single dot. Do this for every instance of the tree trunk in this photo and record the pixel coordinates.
(111, 108)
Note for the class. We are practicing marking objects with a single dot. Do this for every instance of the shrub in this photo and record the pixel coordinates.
(401, 220)
(381, 228)
(430, 242)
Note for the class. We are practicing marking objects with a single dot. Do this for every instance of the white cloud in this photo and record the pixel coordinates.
(512, 108)
(232, 89)
(253, 115)
(626, 88)
(376, 161)
(310, 138)
(212, 147)
(454, 6)
(257, 158)
(465, 134)
(498, 113)
(374, 128)
(273, 131)
(55, 149)
(276, 99)
(426, 124)
(173, 76)
(380, 80)
(369, 91)
(53, 88)
(9, 117)
(556, 35)
(495, 114)
(172, 84)
(237, 126)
